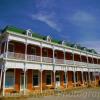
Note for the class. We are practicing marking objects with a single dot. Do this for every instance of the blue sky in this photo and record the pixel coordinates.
(77, 21)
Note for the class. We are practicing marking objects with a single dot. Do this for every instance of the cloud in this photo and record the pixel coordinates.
(92, 44)
(83, 19)
(48, 19)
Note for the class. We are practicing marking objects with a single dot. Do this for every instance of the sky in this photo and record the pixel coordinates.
(76, 21)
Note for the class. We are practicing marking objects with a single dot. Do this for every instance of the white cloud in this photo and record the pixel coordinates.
(83, 19)
(92, 45)
(47, 19)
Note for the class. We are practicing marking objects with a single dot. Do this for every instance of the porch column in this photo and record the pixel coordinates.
(77, 75)
(86, 77)
(54, 66)
(4, 76)
(41, 80)
(89, 76)
(82, 77)
(54, 79)
(1, 79)
(24, 81)
(94, 78)
(66, 78)
(41, 69)
(74, 77)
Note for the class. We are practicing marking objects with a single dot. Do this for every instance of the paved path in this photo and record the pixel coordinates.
(78, 94)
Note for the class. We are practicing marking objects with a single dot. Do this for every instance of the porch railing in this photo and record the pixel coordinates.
(59, 61)
(20, 56)
(13, 55)
(69, 62)
(33, 58)
(47, 59)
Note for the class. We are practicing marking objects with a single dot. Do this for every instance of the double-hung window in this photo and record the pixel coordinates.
(36, 78)
(48, 78)
(9, 79)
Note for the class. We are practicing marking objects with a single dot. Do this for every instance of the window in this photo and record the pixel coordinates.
(9, 80)
(56, 54)
(11, 47)
(33, 50)
(35, 78)
(29, 32)
(45, 52)
(48, 39)
(48, 78)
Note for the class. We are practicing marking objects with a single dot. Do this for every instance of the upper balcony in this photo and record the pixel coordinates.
(46, 55)
(20, 56)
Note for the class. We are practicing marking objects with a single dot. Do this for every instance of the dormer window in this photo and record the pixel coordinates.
(48, 38)
(63, 42)
(29, 32)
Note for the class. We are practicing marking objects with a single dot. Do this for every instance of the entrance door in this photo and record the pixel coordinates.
(57, 81)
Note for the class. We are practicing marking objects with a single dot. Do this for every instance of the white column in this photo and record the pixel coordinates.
(41, 51)
(74, 71)
(54, 79)
(0, 78)
(74, 77)
(82, 77)
(89, 76)
(82, 69)
(4, 76)
(66, 78)
(88, 69)
(94, 71)
(24, 80)
(41, 79)
(54, 67)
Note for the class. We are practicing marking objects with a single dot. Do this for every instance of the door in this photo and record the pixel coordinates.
(57, 81)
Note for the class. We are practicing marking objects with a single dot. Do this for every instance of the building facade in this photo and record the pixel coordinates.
(30, 62)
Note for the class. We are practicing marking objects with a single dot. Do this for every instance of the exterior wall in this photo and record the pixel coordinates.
(62, 79)
(79, 77)
(17, 79)
(69, 56)
(29, 80)
(18, 47)
(76, 57)
(70, 77)
(59, 54)
(38, 50)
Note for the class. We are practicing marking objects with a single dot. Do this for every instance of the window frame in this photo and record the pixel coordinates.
(11, 87)
(47, 73)
(34, 72)
(33, 48)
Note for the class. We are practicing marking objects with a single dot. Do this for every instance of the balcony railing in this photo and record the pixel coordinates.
(69, 62)
(47, 59)
(20, 56)
(33, 58)
(13, 55)
(59, 61)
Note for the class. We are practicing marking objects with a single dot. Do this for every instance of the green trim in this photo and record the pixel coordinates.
(36, 35)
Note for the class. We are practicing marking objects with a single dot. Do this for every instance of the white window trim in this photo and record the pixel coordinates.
(12, 87)
(51, 79)
(38, 79)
